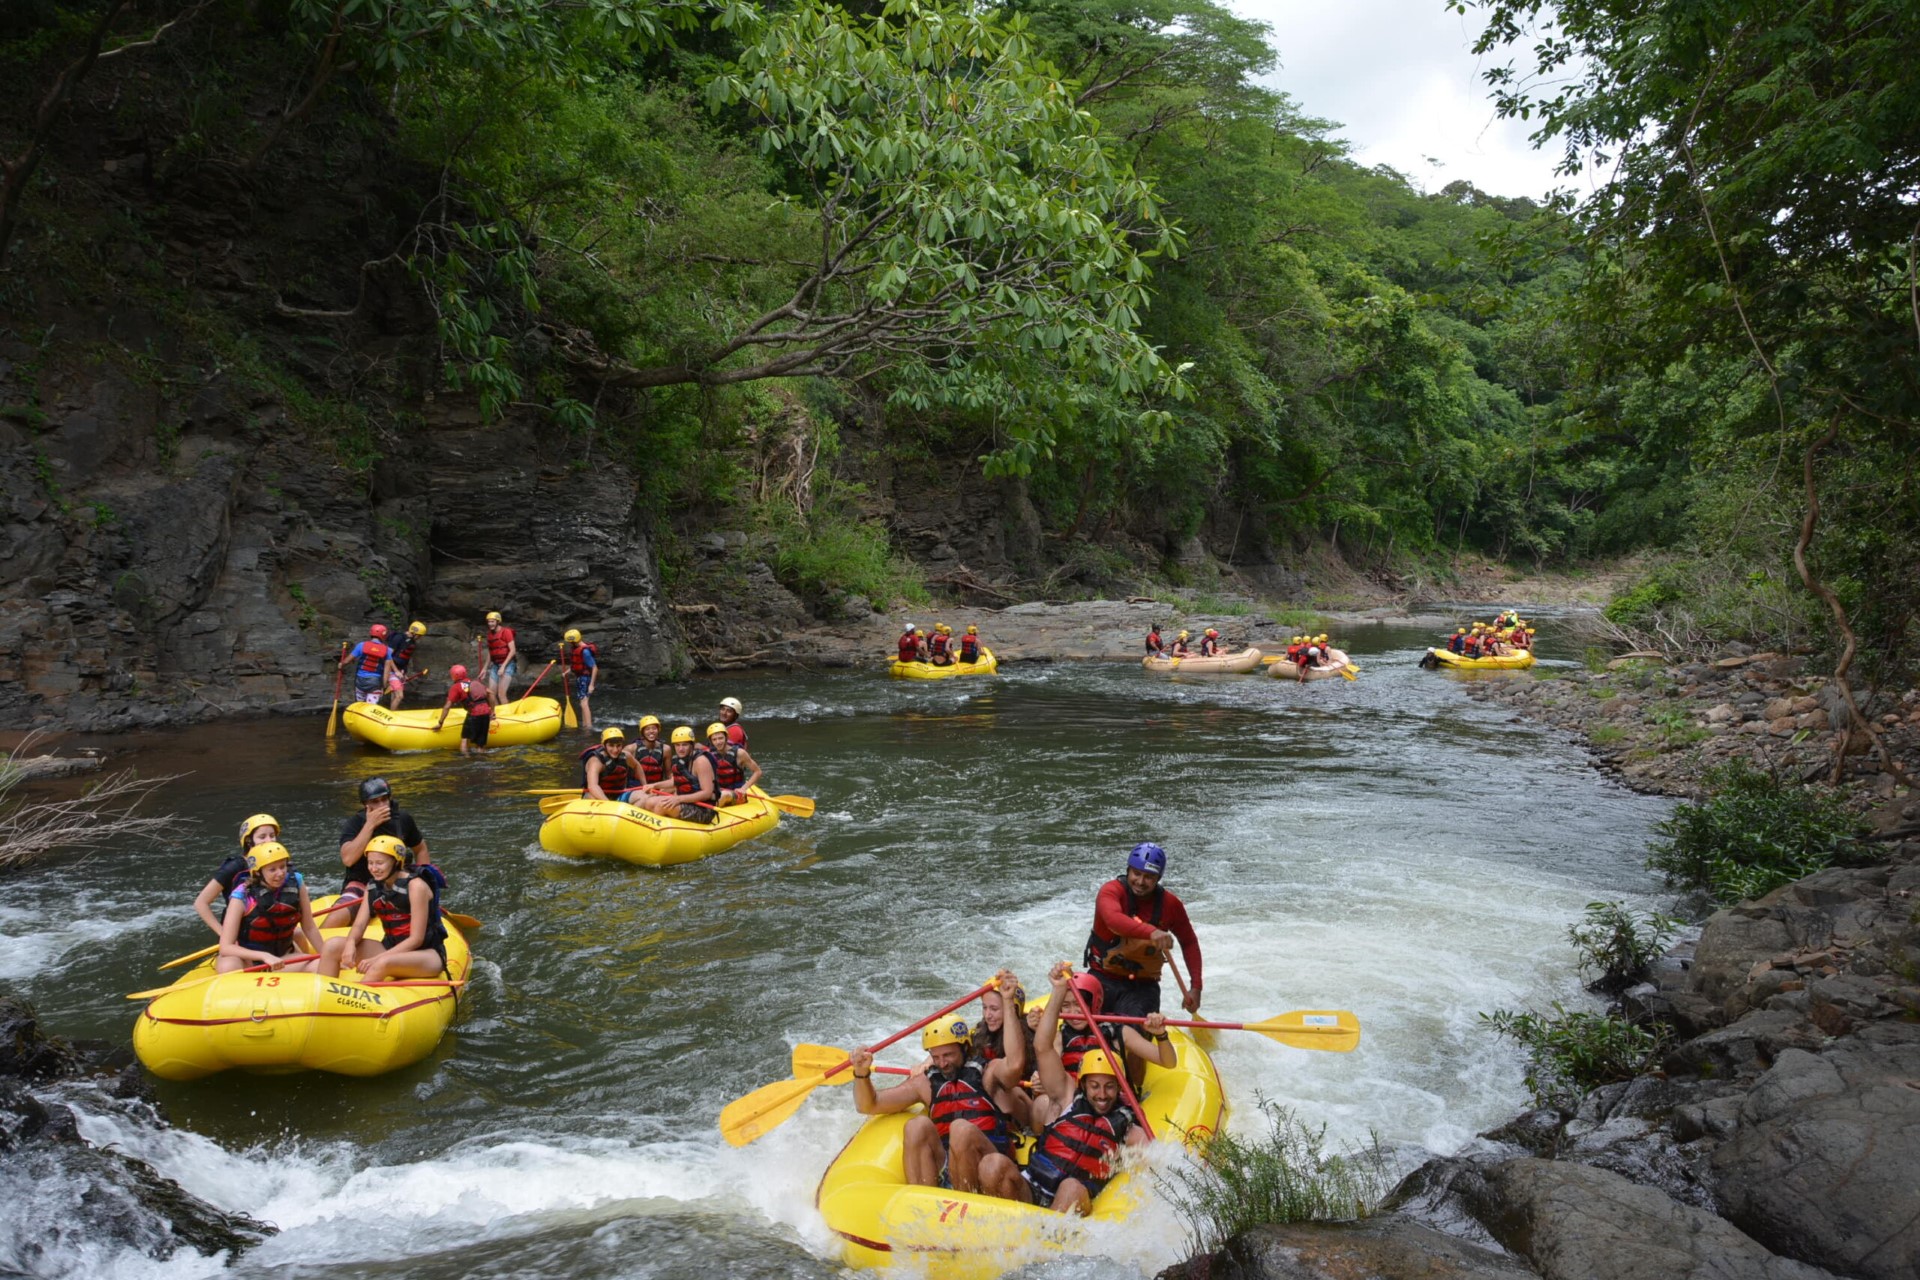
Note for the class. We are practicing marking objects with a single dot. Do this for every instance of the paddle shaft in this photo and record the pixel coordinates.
(189, 958)
(536, 682)
(339, 670)
(1126, 1089)
(201, 982)
(898, 1036)
(567, 719)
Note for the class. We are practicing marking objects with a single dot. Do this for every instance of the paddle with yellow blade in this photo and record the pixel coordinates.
(1330, 1030)
(818, 1059)
(190, 957)
(765, 1109)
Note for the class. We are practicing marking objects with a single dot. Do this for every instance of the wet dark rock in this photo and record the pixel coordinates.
(1381, 1246)
(1743, 1049)
(26, 1053)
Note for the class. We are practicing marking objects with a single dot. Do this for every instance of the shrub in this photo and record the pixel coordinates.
(1751, 834)
(1570, 1052)
(1618, 944)
(828, 554)
(1287, 1176)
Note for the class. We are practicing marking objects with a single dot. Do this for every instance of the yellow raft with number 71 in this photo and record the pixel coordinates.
(276, 1023)
(955, 1235)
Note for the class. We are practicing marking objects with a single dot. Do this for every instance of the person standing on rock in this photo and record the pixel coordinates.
(497, 653)
(581, 661)
(378, 816)
(729, 716)
(402, 658)
(1135, 924)
(370, 663)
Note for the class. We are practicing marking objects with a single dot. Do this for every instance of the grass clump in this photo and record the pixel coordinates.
(1607, 734)
(1751, 834)
(1288, 1175)
(1570, 1052)
(1618, 945)
(826, 555)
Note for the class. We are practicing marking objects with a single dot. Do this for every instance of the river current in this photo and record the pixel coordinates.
(1385, 846)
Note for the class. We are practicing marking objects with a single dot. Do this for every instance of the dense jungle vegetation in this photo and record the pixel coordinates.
(1084, 244)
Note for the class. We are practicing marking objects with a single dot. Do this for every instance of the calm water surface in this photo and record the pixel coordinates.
(1384, 846)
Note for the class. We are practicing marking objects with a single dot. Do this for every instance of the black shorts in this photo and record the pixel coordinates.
(475, 729)
(696, 813)
(438, 949)
(1128, 997)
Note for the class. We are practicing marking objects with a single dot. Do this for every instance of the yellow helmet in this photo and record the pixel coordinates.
(1095, 1062)
(613, 733)
(416, 628)
(1185, 634)
(493, 615)
(390, 846)
(572, 636)
(716, 727)
(649, 720)
(1212, 634)
(256, 822)
(1321, 638)
(262, 856)
(952, 1031)
(683, 734)
(973, 631)
(944, 629)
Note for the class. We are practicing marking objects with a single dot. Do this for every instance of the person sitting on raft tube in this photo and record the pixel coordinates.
(987, 1041)
(1082, 1122)
(940, 647)
(479, 704)
(606, 768)
(580, 663)
(650, 755)
(1210, 644)
(970, 645)
(414, 944)
(912, 647)
(734, 769)
(1154, 643)
(1135, 923)
(1457, 642)
(265, 914)
(399, 661)
(378, 816)
(729, 715)
(498, 654)
(1179, 649)
(966, 1103)
(1135, 1048)
(258, 829)
(689, 791)
(372, 667)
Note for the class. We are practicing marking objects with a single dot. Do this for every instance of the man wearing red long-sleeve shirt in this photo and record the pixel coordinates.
(1135, 924)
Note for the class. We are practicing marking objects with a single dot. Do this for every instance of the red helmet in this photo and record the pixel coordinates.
(1212, 634)
(378, 631)
(1090, 990)
(457, 672)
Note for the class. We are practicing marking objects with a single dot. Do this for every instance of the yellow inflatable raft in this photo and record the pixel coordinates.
(1229, 663)
(588, 828)
(987, 666)
(956, 1235)
(1284, 670)
(278, 1023)
(1443, 658)
(515, 724)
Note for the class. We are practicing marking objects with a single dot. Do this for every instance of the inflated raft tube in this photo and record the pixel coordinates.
(987, 666)
(880, 1220)
(1284, 670)
(1445, 658)
(269, 1023)
(589, 828)
(1224, 663)
(515, 724)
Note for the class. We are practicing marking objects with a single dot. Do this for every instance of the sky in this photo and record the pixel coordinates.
(1402, 77)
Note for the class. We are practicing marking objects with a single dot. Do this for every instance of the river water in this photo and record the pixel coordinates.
(1385, 846)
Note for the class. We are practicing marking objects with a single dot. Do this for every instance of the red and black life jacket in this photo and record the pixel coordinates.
(1296, 654)
(1471, 646)
(727, 772)
(1082, 1142)
(1208, 646)
(394, 909)
(685, 781)
(1127, 957)
(499, 640)
(474, 697)
(909, 649)
(404, 654)
(1075, 1045)
(937, 646)
(965, 1098)
(969, 648)
(615, 774)
(1456, 643)
(1153, 642)
(652, 763)
(373, 656)
(577, 655)
(272, 917)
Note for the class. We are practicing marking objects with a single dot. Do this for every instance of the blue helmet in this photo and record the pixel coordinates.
(1149, 857)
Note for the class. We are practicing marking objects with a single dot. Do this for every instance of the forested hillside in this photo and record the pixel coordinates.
(1072, 256)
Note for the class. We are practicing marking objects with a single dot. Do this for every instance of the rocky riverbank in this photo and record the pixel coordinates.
(1779, 1137)
(84, 1195)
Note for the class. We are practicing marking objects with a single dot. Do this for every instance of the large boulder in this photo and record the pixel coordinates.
(1384, 1246)
(1826, 1160)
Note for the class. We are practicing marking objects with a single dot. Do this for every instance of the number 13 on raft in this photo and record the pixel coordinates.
(567, 719)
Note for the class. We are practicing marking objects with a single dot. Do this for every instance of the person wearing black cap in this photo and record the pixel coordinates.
(378, 816)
